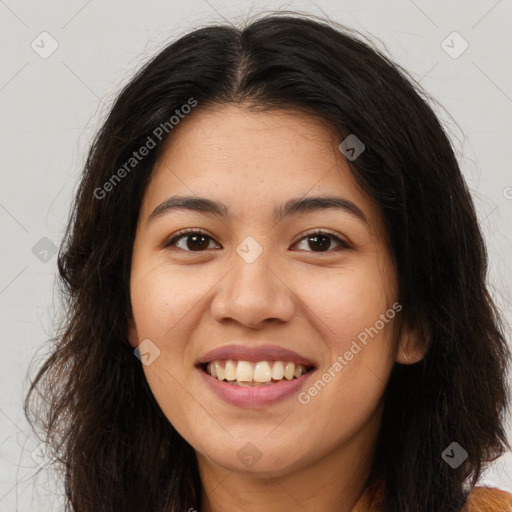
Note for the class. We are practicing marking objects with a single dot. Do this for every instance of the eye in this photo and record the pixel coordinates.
(321, 240)
(197, 240)
(195, 243)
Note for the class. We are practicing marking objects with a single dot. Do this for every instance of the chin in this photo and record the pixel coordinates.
(253, 457)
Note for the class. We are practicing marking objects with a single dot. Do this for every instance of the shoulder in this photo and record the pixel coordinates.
(488, 499)
(480, 499)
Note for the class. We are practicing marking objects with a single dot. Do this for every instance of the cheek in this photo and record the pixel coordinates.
(351, 300)
(163, 298)
(165, 307)
(353, 311)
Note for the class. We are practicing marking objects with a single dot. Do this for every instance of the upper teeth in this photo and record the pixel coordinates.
(262, 371)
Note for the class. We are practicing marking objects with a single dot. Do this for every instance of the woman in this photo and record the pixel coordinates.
(276, 290)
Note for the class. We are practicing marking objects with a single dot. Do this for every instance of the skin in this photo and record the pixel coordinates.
(315, 456)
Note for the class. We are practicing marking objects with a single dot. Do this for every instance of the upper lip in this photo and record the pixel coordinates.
(254, 354)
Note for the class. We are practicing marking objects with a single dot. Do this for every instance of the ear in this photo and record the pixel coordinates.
(133, 337)
(412, 344)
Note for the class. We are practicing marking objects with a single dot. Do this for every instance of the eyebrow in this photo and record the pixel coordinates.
(291, 207)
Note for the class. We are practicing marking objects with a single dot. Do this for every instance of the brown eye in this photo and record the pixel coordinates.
(194, 241)
(320, 241)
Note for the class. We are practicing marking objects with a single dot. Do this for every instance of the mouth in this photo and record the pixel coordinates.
(233, 383)
(254, 376)
(254, 373)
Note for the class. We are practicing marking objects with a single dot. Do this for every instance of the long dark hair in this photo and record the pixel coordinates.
(118, 450)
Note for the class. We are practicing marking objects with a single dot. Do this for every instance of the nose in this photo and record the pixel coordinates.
(254, 294)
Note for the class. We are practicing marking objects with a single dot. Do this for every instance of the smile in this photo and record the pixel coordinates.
(254, 384)
(255, 374)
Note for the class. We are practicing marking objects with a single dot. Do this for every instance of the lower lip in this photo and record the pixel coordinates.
(254, 396)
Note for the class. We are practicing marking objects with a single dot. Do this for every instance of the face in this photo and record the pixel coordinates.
(316, 281)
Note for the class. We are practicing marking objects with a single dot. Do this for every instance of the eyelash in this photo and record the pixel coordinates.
(182, 234)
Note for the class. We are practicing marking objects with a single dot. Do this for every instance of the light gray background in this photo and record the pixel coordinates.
(50, 109)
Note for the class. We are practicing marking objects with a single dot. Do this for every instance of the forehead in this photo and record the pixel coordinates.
(253, 161)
